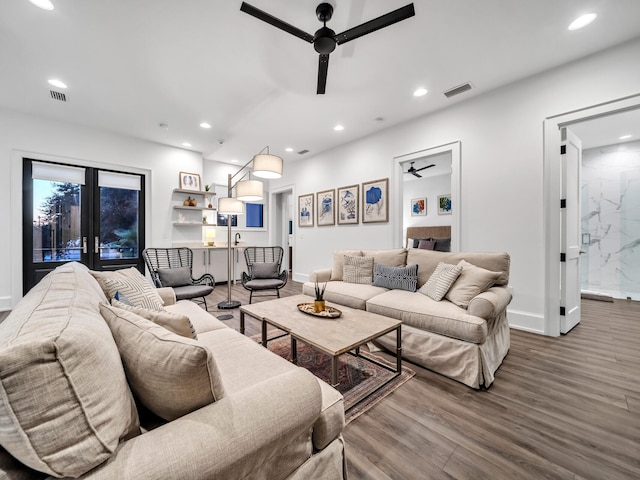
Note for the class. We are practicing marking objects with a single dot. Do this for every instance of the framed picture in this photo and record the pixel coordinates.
(348, 205)
(418, 207)
(325, 202)
(189, 181)
(375, 207)
(444, 204)
(305, 210)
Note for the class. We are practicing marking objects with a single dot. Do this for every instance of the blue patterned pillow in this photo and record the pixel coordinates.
(403, 278)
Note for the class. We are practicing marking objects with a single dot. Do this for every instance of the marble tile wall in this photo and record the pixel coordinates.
(611, 220)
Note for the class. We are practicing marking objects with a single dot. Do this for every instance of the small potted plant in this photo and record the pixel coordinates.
(318, 304)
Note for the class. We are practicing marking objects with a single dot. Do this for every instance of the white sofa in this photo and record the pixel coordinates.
(466, 344)
(67, 409)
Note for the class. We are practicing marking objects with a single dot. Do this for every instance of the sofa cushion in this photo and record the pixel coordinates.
(338, 262)
(428, 261)
(174, 322)
(131, 283)
(64, 399)
(171, 375)
(358, 270)
(396, 257)
(404, 278)
(348, 294)
(472, 281)
(441, 280)
(422, 312)
(175, 277)
(264, 270)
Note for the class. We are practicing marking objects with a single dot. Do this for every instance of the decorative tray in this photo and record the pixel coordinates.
(328, 312)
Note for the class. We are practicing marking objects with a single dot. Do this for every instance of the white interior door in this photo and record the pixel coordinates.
(571, 155)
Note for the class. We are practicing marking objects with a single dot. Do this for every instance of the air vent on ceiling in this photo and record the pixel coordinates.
(58, 96)
(302, 152)
(457, 90)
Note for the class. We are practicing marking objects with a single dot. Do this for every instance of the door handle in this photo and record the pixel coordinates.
(84, 244)
(96, 245)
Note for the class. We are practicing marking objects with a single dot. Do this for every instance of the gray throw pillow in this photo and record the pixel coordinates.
(416, 241)
(401, 278)
(175, 277)
(427, 244)
(443, 244)
(264, 270)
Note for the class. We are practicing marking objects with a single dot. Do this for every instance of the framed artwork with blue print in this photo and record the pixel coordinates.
(418, 207)
(325, 202)
(375, 205)
(347, 205)
(305, 210)
(444, 204)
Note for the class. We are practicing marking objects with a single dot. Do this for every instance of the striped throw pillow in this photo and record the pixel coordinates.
(136, 288)
(358, 270)
(401, 278)
(441, 280)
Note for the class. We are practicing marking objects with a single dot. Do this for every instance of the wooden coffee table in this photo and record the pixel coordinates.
(334, 337)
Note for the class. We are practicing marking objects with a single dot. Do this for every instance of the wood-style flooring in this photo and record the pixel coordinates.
(560, 408)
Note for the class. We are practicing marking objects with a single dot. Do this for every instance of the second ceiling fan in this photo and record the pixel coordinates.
(325, 40)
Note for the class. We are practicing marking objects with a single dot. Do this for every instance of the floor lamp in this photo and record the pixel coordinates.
(264, 165)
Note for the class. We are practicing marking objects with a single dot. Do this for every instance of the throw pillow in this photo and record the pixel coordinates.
(441, 280)
(135, 287)
(264, 270)
(122, 299)
(358, 270)
(174, 322)
(402, 278)
(175, 277)
(416, 241)
(427, 244)
(169, 374)
(338, 262)
(472, 281)
(442, 244)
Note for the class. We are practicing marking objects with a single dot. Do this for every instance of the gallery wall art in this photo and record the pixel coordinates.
(189, 181)
(444, 204)
(325, 202)
(347, 205)
(418, 207)
(375, 205)
(305, 210)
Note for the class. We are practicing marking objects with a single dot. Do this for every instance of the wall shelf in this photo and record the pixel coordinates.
(182, 207)
(191, 192)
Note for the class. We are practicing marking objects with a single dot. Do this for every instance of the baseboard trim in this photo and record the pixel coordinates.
(526, 321)
(5, 304)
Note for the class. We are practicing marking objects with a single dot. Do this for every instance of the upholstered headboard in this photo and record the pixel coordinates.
(441, 231)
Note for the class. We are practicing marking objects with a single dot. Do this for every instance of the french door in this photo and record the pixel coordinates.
(88, 215)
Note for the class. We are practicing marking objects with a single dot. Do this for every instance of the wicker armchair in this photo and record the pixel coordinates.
(264, 265)
(172, 267)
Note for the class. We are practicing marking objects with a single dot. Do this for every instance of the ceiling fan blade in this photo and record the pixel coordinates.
(376, 24)
(428, 166)
(417, 174)
(323, 67)
(276, 22)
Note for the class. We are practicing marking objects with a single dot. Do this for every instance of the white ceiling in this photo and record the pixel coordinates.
(607, 130)
(132, 65)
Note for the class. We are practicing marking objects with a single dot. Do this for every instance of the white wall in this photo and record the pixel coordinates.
(429, 188)
(33, 137)
(501, 202)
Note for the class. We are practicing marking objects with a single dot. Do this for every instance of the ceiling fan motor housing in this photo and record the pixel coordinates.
(324, 41)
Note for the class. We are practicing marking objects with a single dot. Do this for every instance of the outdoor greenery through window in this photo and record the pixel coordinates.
(118, 223)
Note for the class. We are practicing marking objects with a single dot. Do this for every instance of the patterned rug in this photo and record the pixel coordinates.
(356, 375)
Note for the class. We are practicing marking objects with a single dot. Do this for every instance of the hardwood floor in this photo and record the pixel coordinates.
(560, 408)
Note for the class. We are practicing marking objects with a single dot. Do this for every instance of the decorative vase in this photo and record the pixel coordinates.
(318, 306)
(187, 202)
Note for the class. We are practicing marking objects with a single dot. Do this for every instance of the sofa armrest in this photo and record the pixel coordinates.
(167, 294)
(233, 438)
(323, 275)
(490, 303)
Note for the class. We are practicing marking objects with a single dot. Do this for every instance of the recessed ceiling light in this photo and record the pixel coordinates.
(186, 144)
(624, 137)
(420, 92)
(338, 128)
(205, 125)
(43, 4)
(57, 83)
(582, 21)
(288, 149)
(234, 161)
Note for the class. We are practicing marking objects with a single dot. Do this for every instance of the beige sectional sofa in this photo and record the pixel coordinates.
(466, 343)
(67, 373)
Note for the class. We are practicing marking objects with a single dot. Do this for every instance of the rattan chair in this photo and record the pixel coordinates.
(264, 265)
(163, 265)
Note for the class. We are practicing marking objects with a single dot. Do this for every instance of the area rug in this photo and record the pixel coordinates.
(355, 374)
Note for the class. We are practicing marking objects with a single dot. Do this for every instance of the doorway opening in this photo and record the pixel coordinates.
(282, 233)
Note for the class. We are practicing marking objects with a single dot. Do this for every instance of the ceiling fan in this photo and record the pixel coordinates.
(325, 40)
(414, 171)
